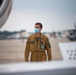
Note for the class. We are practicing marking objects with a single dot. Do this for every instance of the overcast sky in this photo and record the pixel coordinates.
(55, 15)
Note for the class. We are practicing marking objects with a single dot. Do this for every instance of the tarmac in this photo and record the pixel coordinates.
(12, 51)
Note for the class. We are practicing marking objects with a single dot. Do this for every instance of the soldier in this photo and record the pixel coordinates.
(38, 44)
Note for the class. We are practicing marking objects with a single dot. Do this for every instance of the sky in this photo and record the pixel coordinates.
(55, 15)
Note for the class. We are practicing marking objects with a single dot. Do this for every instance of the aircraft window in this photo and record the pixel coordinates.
(70, 58)
(72, 54)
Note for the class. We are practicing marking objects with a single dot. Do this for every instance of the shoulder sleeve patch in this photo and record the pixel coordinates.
(47, 39)
(49, 45)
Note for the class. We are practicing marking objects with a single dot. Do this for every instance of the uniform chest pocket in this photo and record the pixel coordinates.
(42, 41)
(32, 45)
(42, 45)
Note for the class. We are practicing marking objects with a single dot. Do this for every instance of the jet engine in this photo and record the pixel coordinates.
(5, 9)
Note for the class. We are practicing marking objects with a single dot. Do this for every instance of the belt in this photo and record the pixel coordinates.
(37, 51)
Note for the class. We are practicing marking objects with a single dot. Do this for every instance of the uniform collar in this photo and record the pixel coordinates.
(41, 35)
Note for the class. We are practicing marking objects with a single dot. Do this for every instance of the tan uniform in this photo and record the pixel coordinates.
(38, 49)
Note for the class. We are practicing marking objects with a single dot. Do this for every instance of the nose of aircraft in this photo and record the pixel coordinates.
(5, 8)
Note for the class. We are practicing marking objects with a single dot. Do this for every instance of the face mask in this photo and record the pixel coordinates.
(36, 30)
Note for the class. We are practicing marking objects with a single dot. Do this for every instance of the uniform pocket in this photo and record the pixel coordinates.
(43, 41)
(32, 45)
(42, 45)
(43, 57)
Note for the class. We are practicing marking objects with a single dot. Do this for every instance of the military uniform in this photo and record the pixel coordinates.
(38, 48)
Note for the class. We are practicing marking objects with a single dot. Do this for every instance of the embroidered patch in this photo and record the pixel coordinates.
(49, 45)
(42, 46)
(31, 42)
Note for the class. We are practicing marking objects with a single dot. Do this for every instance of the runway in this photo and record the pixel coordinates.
(12, 51)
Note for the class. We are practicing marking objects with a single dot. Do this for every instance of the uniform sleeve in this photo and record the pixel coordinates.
(48, 48)
(27, 50)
